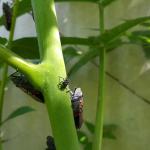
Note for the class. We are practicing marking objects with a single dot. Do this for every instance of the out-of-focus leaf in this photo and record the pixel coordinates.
(109, 37)
(2, 20)
(83, 60)
(26, 47)
(105, 3)
(18, 112)
(146, 24)
(70, 53)
(90, 126)
(92, 53)
(114, 33)
(91, 1)
(88, 146)
(83, 139)
(3, 40)
(24, 7)
(109, 130)
(142, 38)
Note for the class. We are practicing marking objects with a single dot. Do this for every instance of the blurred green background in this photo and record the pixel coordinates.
(128, 63)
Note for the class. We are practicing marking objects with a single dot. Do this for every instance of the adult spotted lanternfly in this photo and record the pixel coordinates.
(7, 11)
(50, 143)
(77, 106)
(23, 83)
(62, 85)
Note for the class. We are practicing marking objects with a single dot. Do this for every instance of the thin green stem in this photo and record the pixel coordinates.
(14, 60)
(97, 143)
(2, 87)
(5, 66)
(101, 19)
(13, 23)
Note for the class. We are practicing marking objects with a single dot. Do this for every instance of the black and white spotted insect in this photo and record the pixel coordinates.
(63, 83)
(77, 106)
(7, 12)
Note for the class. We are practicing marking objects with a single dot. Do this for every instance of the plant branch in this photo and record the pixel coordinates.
(13, 60)
(58, 102)
(47, 31)
(5, 66)
(98, 133)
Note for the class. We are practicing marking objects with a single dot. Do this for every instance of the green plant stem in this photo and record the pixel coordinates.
(98, 135)
(2, 87)
(5, 66)
(51, 68)
(14, 60)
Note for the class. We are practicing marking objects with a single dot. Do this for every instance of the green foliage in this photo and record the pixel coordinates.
(18, 112)
(142, 38)
(105, 3)
(111, 39)
(25, 6)
(85, 139)
(26, 47)
(108, 40)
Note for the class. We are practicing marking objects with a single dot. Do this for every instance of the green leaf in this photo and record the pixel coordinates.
(83, 139)
(105, 3)
(70, 53)
(146, 24)
(2, 20)
(142, 38)
(88, 146)
(108, 131)
(3, 40)
(26, 47)
(92, 53)
(91, 1)
(83, 60)
(114, 33)
(90, 126)
(24, 7)
(108, 39)
(18, 112)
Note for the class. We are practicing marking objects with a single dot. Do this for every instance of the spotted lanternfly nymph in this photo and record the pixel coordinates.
(7, 11)
(77, 106)
(50, 143)
(62, 85)
(23, 83)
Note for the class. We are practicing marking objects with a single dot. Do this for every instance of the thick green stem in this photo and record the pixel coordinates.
(97, 143)
(61, 117)
(47, 31)
(52, 67)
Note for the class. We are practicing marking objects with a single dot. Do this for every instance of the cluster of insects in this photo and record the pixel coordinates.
(76, 96)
